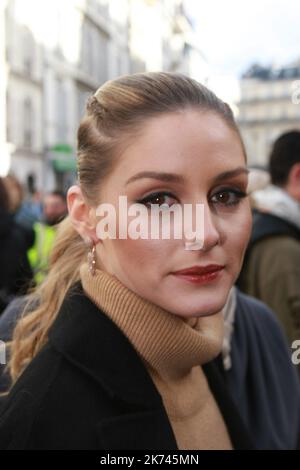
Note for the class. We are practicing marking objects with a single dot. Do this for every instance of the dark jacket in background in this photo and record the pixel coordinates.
(15, 271)
(271, 269)
(8, 321)
(88, 388)
(263, 380)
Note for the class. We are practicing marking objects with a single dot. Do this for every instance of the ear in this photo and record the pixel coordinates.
(82, 215)
(295, 173)
(293, 185)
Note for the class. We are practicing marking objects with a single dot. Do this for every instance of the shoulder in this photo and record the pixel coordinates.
(282, 245)
(259, 339)
(259, 310)
(10, 316)
(75, 383)
(20, 406)
(258, 318)
(47, 402)
(263, 379)
(274, 256)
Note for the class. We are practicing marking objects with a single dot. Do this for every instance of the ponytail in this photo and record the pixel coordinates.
(44, 302)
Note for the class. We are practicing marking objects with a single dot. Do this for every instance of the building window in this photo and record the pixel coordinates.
(28, 52)
(61, 112)
(87, 48)
(27, 120)
(100, 58)
(8, 115)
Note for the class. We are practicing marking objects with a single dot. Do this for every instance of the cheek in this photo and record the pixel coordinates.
(246, 224)
(142, 255)
(238, 235)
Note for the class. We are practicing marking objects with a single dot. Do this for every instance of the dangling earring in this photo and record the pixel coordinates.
(91, 258)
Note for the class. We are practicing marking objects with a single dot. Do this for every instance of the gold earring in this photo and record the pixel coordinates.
(91, 258)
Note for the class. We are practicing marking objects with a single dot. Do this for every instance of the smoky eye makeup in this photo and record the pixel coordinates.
(158, 197)
(227, 197)
(227, 193)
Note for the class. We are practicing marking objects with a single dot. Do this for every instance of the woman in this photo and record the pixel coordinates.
(112, 357)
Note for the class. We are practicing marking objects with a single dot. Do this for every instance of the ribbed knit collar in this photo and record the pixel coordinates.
(170, 344)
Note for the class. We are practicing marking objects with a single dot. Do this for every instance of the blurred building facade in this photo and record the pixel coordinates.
(269, 105)
(57, 53)
(24, 96)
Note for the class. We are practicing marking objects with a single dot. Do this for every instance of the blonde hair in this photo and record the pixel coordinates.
(116, 112)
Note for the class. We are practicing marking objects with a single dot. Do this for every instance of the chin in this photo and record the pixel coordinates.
(205, 308)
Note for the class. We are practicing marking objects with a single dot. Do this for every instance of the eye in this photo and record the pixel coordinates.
(160, 198)
(228, 197)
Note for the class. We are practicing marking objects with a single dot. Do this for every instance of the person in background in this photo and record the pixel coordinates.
(31, 210)
(54, 210)
(16, 203)
(271, 269)
(15, 271)
(15, 191)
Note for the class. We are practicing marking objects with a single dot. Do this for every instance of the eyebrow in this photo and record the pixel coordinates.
(175, 178)
(231, 173)
(167, 177)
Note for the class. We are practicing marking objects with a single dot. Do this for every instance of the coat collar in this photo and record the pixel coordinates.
(89, 339)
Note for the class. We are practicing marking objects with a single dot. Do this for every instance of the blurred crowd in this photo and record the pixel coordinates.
(27, 232)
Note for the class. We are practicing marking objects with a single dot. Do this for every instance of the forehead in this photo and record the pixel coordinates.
(188, 140)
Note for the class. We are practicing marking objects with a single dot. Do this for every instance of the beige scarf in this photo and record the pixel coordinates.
(172, 349)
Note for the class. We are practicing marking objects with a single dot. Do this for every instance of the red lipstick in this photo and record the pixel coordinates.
(200, 274)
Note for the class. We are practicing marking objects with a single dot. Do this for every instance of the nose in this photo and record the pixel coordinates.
(209, 235)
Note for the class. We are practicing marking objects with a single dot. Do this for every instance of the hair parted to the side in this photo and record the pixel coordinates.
(114, 114)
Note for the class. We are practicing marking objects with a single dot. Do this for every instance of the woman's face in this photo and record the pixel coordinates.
(193, 157)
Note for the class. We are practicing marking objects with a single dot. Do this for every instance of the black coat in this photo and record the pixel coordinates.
(15, 271)
(88, 389)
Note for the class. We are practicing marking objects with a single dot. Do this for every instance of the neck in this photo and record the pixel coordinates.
(166, 342)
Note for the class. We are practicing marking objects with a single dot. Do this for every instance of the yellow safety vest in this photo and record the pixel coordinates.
(39, 253)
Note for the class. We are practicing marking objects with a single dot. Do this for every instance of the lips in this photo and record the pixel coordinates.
(200, 274)
(199, 270)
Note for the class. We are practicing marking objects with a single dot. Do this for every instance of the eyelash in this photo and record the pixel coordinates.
(238, 194)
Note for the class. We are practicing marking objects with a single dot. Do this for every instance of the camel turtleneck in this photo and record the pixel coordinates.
(173, 349)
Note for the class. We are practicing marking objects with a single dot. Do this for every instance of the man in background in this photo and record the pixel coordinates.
(54, 210)
(271, 270)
